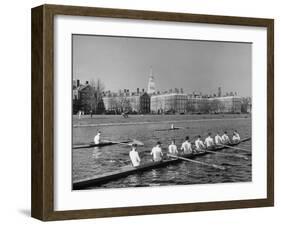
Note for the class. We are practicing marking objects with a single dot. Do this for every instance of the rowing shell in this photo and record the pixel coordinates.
(128, 170)
(92, 144)
(176, 128)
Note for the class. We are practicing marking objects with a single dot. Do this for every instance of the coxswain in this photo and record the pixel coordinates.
(134, 156)
(156, 152)
(97, 138)
(218, 139)
(173, 150)
(209, 141)
(199, 145)
(186, 146)
(236, 137)
(225, 138)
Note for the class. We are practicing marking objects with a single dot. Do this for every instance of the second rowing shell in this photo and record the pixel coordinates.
(168, 129)
(92, 144)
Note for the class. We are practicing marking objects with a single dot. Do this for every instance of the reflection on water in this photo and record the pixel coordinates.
(96, 161)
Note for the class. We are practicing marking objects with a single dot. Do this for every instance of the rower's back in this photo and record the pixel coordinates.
(173, 149)
(97, 138)
(156, 153)
(186, 147)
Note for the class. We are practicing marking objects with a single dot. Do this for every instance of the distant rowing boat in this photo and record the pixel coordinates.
(128, 170)
(92, 144)
(176, 128)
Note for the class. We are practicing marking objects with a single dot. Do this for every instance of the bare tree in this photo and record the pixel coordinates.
(245, 105)
(189, 107)
(124, 104)
(97, 89)
(205, 107)
(214, 106)
(114, 105)
(221, 107)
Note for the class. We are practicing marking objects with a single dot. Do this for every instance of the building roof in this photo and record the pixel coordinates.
(81, 87)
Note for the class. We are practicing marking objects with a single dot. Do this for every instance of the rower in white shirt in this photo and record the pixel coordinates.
(186, 146)
(209, 141)
(173, 150)
(236, 137)
(156, 152)
(225, 138)
(97, 138)
(134, 156)
(199, 145)
(218, 139)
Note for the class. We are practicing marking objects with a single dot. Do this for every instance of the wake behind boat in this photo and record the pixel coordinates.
(128, 170)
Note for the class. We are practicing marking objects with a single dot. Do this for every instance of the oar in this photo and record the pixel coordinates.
(227, 154)
(198, 162)
(178, 127)
(242, 149)
(139, 143)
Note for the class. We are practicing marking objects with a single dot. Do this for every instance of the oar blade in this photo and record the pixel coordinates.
(137, 142)
(218, 167)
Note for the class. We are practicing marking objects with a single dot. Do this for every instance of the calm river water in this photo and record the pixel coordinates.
(96, 161)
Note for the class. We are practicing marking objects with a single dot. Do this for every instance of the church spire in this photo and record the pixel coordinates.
(151, 83)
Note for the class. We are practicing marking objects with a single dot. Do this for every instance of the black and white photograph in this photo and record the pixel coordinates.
(160, 112)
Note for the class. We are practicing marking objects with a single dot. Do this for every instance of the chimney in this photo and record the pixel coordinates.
(143, 90)
(86, 82)
(138, 90)
(77, 82)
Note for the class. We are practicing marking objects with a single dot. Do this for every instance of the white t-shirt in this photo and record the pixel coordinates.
(218, 139)
(97, 139)
(199, 144)
(225, 138)
(186, 147)
(209, 141)
(173, 149)
(135, 158)
(157, 154)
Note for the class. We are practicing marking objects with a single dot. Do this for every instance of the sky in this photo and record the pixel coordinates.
(125, 62)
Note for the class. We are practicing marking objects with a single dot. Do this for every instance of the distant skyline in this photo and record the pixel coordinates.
(201, 66)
